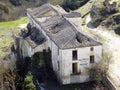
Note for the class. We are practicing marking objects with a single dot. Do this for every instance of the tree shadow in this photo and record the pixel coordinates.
(117, 30)
(23, 67)
(93, 25)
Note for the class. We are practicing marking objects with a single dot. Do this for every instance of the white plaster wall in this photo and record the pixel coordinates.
(98, 53)
(27, 51)
(54, 52)
(60, 65)
(83, 63)
(83, 57)
(66, 65)
(41, 47)
(42, 19)
(56, 57)
(76, 21)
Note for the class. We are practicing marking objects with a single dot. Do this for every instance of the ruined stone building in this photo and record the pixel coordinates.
(73, 52)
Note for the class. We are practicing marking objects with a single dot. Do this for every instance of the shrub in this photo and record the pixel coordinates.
(28, 83)
(4, 8)
(102, 10)
(5, 12)
(73, 4)
(37, 57)
(16, 2)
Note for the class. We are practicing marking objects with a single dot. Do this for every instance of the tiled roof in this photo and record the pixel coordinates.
(61, 31)
(72, 15)
(65, 35)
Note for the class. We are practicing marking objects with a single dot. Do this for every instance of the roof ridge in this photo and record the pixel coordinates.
(52, 7)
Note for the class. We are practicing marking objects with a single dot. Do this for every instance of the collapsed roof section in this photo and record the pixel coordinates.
(34, 37)
(65, 35)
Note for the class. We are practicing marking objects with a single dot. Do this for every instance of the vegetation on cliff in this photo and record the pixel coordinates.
(8, 70)
(5, 12)
(101, 11)
(28, 82)
(7, 29)
(14, 9)
(73, 4)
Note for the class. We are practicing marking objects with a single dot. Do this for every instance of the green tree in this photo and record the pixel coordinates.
(37, 57)
(28, 83)
(73, 4)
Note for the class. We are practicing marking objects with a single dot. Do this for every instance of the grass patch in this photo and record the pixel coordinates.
(6, 30)
(12, 24)
(28, 83)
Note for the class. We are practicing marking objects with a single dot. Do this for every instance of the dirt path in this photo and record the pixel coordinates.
(112, 44)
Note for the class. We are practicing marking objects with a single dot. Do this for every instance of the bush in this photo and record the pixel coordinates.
(73, 4)
(4, 8)
(16, 2)
(28, 83)
(102, 10)
(5, 12)
(37, 58)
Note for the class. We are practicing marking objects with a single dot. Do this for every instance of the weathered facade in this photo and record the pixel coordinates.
(73, 52)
